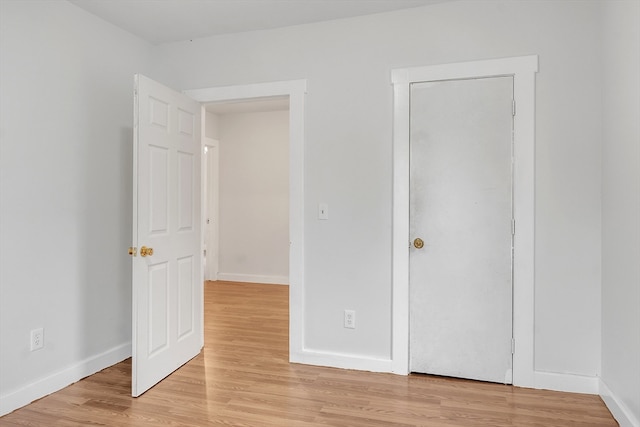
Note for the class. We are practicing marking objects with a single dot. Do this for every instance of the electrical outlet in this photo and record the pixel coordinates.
(37, 339)
(350, 319)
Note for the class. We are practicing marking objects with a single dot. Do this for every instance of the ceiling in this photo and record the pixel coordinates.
(163, 21)
(166, 21)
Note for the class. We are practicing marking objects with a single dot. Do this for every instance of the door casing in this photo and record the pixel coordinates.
(523, 70)
(295, 90)
(210, 185)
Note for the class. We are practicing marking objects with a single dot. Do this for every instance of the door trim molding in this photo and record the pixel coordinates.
(295, 90)
(523, 70)
(211, 196)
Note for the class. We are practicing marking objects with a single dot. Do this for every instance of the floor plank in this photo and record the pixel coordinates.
(243, 378)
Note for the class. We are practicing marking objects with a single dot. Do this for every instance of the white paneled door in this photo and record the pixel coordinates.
(167, 274)
(460, 262)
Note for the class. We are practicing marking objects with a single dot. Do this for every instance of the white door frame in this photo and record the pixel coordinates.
(211, 197)
(295, 90)
(523, 70)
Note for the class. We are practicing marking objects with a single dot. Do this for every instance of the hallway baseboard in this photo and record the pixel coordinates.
(253, 278)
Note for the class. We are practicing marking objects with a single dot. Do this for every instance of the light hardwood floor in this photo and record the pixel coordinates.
(242, 378)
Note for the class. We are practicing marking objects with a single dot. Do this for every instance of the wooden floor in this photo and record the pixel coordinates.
(242, 378)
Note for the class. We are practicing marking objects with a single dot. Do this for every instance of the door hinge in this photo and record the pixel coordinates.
(513, 345)
(513, 227)
(513, 107)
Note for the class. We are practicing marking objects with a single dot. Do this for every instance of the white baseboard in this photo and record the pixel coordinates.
(618, 409)
(542, 380)
(565, 382)
(59, 380)
(254, 278)
(342, 361)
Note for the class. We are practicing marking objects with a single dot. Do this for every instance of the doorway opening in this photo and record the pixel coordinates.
(260, 95)
(247, 191)
(246, 218)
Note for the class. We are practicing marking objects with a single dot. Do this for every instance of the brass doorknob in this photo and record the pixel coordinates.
(145, 251)
(418, 243)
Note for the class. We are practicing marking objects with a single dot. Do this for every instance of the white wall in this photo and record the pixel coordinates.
(65, 187)
(254, 197)
(621, 210)
(347, 65)
(211, 123)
